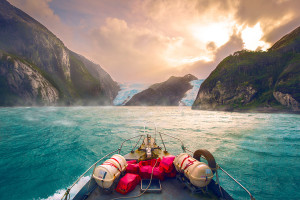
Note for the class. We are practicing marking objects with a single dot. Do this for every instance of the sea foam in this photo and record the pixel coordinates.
(77, 187)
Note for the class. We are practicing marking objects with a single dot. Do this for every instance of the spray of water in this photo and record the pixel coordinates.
(77, 187)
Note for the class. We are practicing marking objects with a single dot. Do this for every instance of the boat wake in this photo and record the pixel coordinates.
(77, 187)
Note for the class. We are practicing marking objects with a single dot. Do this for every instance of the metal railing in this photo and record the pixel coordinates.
(252, 198)
(218, 166)
(67, 193)
(131, 139)
(182, 145)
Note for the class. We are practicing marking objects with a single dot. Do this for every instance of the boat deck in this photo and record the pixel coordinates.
(171, 189)
(140, 155)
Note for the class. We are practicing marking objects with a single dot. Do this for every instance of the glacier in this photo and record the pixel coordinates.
(191, 94)
(128, 90)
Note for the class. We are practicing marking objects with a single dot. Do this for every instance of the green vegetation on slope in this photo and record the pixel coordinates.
(248, 79)
(87, 87)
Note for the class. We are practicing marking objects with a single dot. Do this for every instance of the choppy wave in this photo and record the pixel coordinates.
(64, 122)
(59, 193)
(41, 155)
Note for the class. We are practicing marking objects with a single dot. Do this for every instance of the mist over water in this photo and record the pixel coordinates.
(44, 150)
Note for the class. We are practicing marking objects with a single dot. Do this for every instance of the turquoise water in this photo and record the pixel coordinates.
(44, 150)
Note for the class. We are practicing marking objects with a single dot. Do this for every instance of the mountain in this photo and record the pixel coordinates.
(168, 93)
(36, 68)
(256, 80)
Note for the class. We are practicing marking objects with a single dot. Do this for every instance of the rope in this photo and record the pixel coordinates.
(142, 192)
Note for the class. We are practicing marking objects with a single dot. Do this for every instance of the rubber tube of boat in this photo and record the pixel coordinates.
(110, 170)
(199, 173)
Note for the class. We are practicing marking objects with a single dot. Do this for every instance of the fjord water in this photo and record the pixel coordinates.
(44, 150)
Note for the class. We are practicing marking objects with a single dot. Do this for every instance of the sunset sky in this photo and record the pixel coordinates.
(148, 41)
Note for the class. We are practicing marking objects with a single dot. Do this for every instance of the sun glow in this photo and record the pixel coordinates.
(177, 54)
(176, 62)
(219, 33)
(252, 38)
(200, 34)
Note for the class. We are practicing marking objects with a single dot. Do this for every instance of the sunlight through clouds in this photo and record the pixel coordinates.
(252, 38)
(176, 62)
(219, 32)
(149, 41)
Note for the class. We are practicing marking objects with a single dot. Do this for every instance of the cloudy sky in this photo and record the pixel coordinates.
(150, 40)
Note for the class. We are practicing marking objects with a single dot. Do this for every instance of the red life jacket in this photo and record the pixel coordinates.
(167, 163)
(158, 173)
(144, 172)
(132, 168)
(127, 183)
(171, 174)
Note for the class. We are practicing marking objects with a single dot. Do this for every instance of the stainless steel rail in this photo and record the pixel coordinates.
(186, 149)
(67, 193)
(130, 139)
(68, 190)
(162, 141)
(252, 198)
(182, 145)
(190, 151)
(136, 143)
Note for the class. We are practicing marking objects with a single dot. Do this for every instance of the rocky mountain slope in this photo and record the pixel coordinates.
(37, 69)
(168, 93)
(260, 81)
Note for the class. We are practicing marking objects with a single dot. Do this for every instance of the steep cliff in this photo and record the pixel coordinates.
(168, 93)
(107, 84)
(22, 83)
(260, 81)
(70, 74)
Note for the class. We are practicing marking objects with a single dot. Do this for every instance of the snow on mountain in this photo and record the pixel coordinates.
(127, 91)
(191, 95)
